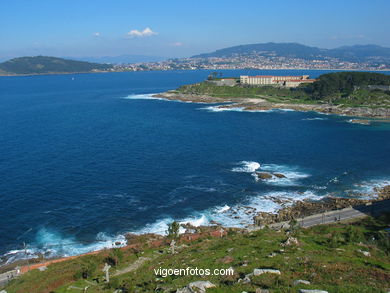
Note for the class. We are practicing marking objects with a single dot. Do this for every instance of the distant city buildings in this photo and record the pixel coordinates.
(250, 62)
(287, 81)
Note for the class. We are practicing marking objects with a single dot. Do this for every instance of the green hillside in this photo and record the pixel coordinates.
(47, 65)
(353, 89)
(345, 257)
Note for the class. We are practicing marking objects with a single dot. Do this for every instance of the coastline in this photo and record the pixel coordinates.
(261, 104)
(276, 221)
(256, 104)
(212, 69)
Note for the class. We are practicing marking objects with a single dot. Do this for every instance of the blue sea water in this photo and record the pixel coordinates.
(86, 158)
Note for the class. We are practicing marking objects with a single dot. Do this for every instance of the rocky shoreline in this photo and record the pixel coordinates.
(260, 104)
(306, 208)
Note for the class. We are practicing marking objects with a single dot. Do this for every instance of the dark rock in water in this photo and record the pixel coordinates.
(118, 243)
(280, 175)
(263, 175)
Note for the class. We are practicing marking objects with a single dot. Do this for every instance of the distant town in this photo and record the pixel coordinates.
(249, 62)
(254, 56)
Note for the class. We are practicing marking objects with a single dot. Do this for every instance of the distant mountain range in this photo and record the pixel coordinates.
(48, 65)
(357, 53)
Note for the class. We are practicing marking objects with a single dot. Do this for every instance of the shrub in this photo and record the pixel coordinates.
(173, 230)
(354, 234)
(336, 239)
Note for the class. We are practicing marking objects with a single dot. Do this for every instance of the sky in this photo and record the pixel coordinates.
(182, 28)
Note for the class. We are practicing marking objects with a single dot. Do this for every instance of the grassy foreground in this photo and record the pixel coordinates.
(329, 256)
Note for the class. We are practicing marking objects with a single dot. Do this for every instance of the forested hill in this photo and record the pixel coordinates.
(356, 53)
(344, 84)
(48, 65)
(349, 88)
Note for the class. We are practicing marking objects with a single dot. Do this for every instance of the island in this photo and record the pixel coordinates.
(362, 94)
(49, 65)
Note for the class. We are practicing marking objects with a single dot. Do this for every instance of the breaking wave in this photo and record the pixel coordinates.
(247, 167)
(316, 118)
(144, 97)
(292, 174)
(222, 109)
(51, 244)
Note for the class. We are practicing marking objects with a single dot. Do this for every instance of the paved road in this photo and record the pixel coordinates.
(340, 215)
(318, 219)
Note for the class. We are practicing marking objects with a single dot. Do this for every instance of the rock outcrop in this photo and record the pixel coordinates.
(196, 287)
(258, 272)
(264, 175)
(306, 208)
(280, 175)
(297, 282)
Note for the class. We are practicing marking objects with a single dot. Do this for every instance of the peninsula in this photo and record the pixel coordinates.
(362, 94)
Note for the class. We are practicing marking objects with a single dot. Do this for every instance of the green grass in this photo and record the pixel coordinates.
(358, 98)
(206, 88)
(335, 266)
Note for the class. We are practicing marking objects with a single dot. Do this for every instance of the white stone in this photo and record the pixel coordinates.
(365, 253)
(296, 282)
(246, 279)
(258, 272)
(197, 286)
(43, 268)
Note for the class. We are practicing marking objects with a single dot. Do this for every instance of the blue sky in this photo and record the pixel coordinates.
(179, 28)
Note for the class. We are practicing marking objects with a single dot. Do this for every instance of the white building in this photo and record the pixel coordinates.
(287, 81)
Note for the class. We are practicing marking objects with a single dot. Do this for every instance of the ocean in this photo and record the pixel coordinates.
(86, 158)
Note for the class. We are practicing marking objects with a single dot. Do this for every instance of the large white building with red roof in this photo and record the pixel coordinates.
(287, 81)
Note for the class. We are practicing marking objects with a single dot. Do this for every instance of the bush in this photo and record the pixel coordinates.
(87, 269)
(354, 234)
(336, 239)
(115, 256)
(173, 230)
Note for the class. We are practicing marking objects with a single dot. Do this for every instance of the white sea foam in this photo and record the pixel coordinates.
(222, 109)
(53, 244)
(200, 188)
(144, 97)
(316, 118)
(223, 209)
(247, 167)
(239, 215)
(369, 188)
(293, 175)
(161, 226)
(196, 221)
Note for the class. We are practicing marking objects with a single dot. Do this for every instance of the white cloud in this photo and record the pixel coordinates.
(177, 44)
(97, 34)
(147, 32)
